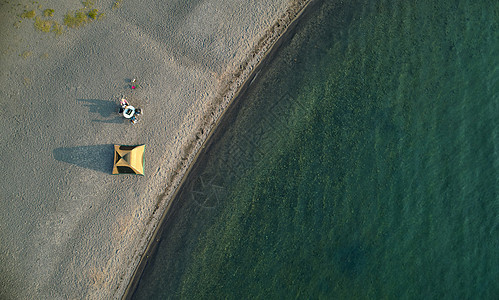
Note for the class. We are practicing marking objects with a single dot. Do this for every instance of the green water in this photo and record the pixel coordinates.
(361, 163)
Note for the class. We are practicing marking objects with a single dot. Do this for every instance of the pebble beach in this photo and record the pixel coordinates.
(68, 228)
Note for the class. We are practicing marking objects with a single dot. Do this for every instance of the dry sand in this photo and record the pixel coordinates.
(68, 229)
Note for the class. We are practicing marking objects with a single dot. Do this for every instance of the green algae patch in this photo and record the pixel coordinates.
(93, 14)
(44, 20)
(88, 4)
(43, 25)
(117, 4)
(28, 14)
(26, 54)
(48, 12)
(57, 28)
(27, 81)
(75, 19)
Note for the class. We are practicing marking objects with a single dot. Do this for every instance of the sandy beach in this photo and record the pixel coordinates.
(69, 229)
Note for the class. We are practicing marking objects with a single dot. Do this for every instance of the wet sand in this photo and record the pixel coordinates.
(68, 228)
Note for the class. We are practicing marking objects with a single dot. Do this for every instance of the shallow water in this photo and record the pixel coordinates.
(361, 163)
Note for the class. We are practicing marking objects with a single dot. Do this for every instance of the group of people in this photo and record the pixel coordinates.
(128, 111)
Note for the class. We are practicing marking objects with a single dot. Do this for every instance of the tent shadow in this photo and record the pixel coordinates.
(94, 157)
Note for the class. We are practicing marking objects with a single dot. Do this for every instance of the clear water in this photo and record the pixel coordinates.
(361, 163)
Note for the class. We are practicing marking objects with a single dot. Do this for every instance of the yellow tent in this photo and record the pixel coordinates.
(129, 159)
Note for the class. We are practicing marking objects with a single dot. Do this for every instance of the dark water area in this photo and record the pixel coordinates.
(361, 163)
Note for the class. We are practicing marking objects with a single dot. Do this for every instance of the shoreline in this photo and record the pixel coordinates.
(236, 85)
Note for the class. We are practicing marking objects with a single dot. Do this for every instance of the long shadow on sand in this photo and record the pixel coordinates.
(108, 110)
(94, 157)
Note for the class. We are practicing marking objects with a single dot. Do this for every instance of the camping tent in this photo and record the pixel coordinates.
(129, 159)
